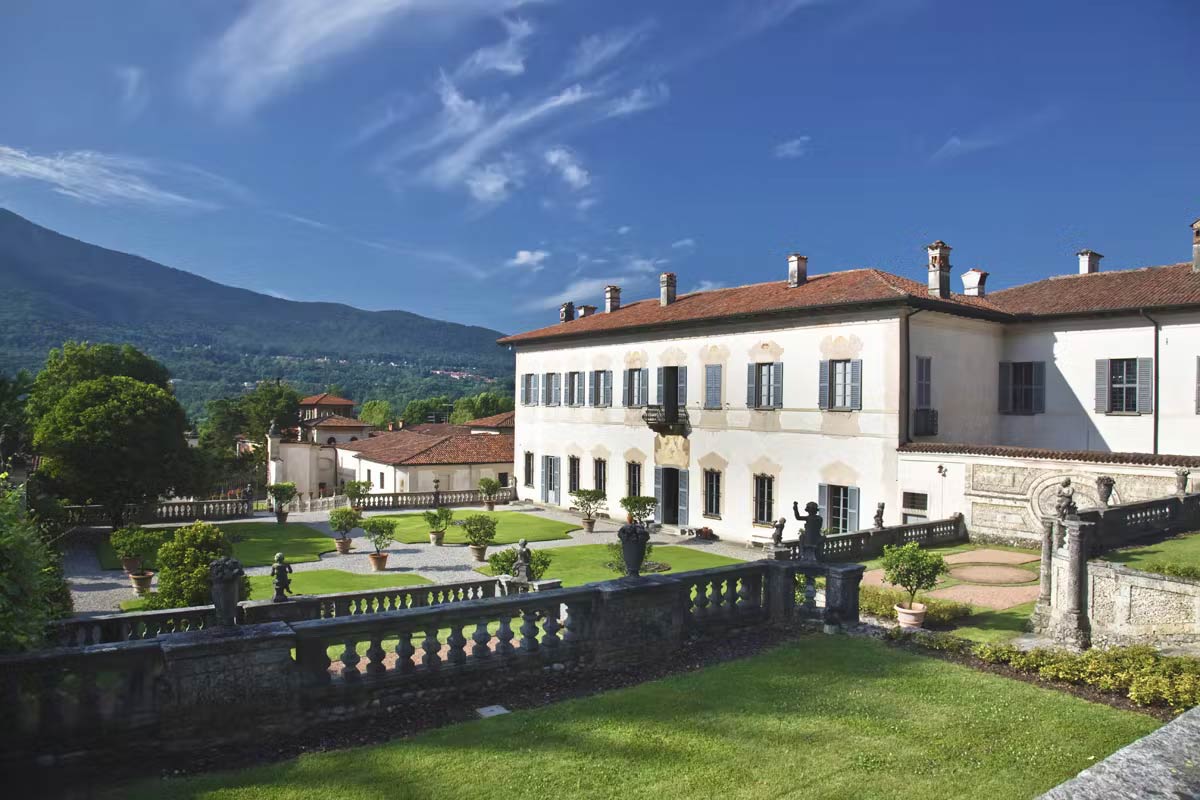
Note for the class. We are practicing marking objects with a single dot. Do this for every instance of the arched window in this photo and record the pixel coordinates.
(354, 438)
(332, 440)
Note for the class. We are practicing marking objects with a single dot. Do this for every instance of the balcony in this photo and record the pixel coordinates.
(925, 422)
(667, 420)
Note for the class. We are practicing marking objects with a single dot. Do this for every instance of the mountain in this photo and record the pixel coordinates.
(216, 338)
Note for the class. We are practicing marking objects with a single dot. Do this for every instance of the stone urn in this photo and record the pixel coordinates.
(634, 537)
(131, 565)
(479, 551)
(342, 543)
(141, 580)
(378, 561)
(589, 524)
(490, 505)
(281, 516)
(225, 576)
(911, 618)
(435, 537)
(1104, 488)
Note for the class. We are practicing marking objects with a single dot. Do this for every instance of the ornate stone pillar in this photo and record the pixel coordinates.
(1041, 612)
(1069, 624)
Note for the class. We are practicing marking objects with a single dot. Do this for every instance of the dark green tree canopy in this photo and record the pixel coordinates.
(484, 404)
(377, 412)
(250, 414)
(78, 362)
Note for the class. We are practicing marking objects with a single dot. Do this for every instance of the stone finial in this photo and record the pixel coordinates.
(1089, 261)
(1104, 488)
(1181, 480)
(879, 515)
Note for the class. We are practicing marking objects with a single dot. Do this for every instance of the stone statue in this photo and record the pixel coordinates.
(524, 562)
(226, 574)
(1181, 480)
(274, 429)
(1104, 488)
(879, 515)
(1065, 505)
(280, 571)
(812, 540)
(777, 534)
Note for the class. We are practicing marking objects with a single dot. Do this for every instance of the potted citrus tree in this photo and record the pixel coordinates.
(438, 520)
(381, 532)
(488, 489)
(480, 531)
(134, 546)
(356, 491)
(589, 501)
(914, 570)
(342, 521)
(281, 494)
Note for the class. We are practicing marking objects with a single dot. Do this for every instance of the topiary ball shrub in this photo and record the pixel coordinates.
(183, 562)
(479, 529)
(505, 561)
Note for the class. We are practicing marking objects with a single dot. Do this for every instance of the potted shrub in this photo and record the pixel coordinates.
(914, 570)
(639, 509)
(489, 488)
(380, 533)
(589, 501)
(356, 491)
(134, 545)
(481, 531)
(438, 520)
(281, 494)
(505, 562)
(342, 521)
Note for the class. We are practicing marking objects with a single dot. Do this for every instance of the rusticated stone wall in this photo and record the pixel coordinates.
(1128, 606)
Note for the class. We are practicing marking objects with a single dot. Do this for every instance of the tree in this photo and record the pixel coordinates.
(79, 362)
(376, 412)
(114, 441)
(484, 404)
(913, 569)
(640, 508)
(14, 432)
(28, 579)
(418, 411)
(183, 561)
(249, 415)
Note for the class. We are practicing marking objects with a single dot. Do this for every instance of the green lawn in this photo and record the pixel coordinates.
(511, 526)
(318, 581)
(575, 566)
(989, 625)
(823, 717)
(257, 544)
(1182, 550)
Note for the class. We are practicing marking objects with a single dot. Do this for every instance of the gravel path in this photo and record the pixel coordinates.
(101, 591)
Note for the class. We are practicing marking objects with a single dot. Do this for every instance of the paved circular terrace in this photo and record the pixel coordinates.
(986, 577)
(992, 574)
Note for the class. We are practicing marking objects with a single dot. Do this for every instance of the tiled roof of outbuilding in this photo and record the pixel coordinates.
(406, 448)
(504, 419)
(325, 399)
(1099, 292)
(334, 421)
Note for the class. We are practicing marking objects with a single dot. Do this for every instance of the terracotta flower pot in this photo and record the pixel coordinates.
(281, 517)
(589, 525)
(131, 565)
(479, 551)
(141, 581)
(343, 545)
(378, 561)
(911, 618)
(490, 505)
(435, 537)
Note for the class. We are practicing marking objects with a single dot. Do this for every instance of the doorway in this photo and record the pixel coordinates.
(671, 494)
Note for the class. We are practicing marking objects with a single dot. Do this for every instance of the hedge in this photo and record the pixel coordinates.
(881, 602)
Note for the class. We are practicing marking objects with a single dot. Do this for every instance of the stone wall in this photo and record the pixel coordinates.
(1128, 606)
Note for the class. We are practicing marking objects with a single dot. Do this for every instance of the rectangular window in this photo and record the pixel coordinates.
(637, 388)
(924, 382)
(368, 476)
(839, 507)
(575, 388)
(712, 386)
(764, 499)
(764, 385)
(712, 493)
(1122, 385)
(572, 474)
(633, 479)
(600, 388)
(529, 469)
(551, 389)
(1022, 387)
(839, 385)
(529, 389)
(600, 474)
(840, 374)
(381, 481)
(503, 478)
(915, 507)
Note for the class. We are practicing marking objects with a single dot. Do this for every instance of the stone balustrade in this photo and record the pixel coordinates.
(869, 543)
(1120, 525)
(170, 511)
(218, 685)
(380, 501)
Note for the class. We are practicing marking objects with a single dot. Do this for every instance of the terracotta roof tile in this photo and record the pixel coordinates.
(393, 447)
(407, 448)
(437, 428)
(334, 421)
(325, 399)
(505, 419)
(1096, 292)
(1093, 456)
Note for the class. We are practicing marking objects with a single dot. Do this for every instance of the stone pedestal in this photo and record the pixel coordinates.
(637, 621)
(1041, 612)
(1068, 624)
(841, 595)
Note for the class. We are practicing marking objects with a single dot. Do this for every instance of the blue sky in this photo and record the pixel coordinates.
(484, 160)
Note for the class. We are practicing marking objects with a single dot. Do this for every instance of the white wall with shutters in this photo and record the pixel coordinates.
(712, 386)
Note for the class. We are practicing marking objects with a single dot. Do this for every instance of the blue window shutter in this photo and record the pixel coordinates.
(777, 384)
(626, 399)
(1145, 385)
(533, 399)
(591, 390)
(658, 377)
(545, 478)
(823, 385)
(856, 384)
(712, 386)
(644, 395)
(823, 502)
(682, 393)
(750, 398)
(658, 500)
(1004, 382)
(608, 388)
(1102, 395)
(683, 497)
(852, 508)
(1039, 387)
(524, 390)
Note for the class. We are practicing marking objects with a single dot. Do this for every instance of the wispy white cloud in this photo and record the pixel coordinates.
(104, 179)
(584, 203)
(305, 221)
(275, 45)
(583, 290)
(624, 230)
(641, 98)
(600, 49)
(494, 182)
(395, 110)
(706, 286)
(683, 243)
(793, 148)
(507, 57)
(529, 258)
(751, 18)
(568, 166)
(647, 265)
(134, 94)
(993, 136)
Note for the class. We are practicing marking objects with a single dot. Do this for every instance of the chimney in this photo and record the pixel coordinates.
(612, 298)
(1196, 247)
(939, 269)
(586, 311)
(974, 282)
(666, 288)
(1089, 261)
(797, 270)
(566, 312)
